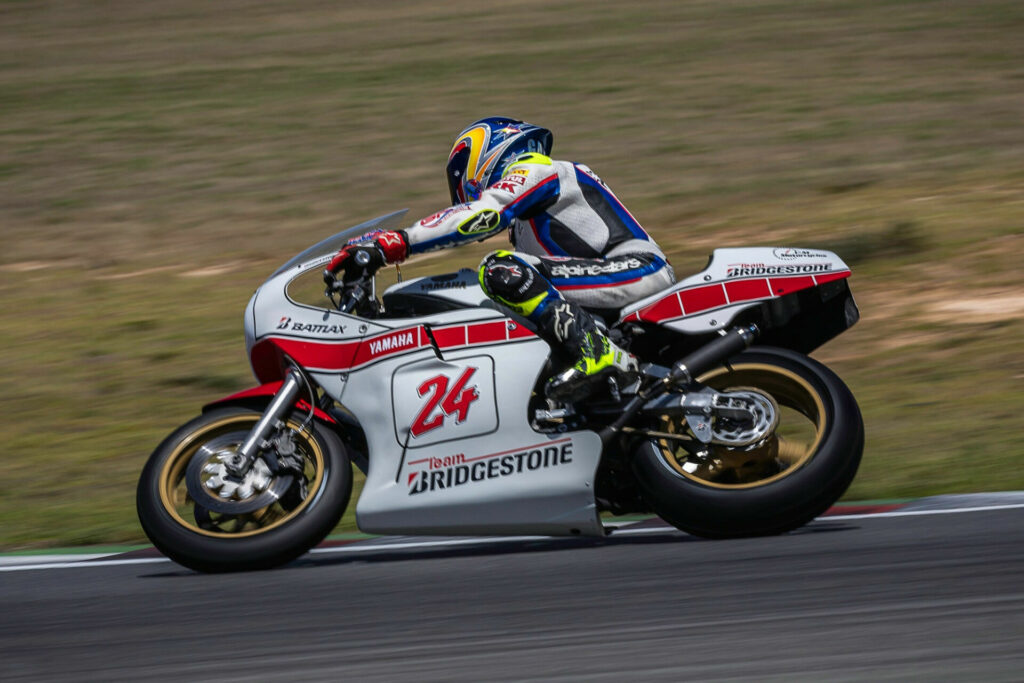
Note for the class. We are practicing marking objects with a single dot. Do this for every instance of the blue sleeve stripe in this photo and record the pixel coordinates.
(449, 239)
(542, 231)
(627, 218)
(532, 198)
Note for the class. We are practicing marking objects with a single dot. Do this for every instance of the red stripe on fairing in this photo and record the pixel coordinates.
(518, 331)
(267, 361)
(311, 354)
(447, 337)
(788, 285)
(268, 354)
(745, 290)
(706, 297)
(337, 356)
(669, 307)
(490, 332)
(831, 277)
(486, 333)
(702, 298)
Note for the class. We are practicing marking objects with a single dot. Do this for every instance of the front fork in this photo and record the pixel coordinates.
(256, 441)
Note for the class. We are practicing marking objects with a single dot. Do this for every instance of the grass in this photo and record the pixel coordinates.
(159, 160)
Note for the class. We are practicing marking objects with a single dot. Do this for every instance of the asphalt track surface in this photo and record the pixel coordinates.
(875, 598)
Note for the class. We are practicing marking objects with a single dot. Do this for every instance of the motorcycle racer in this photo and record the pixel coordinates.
(577, 248)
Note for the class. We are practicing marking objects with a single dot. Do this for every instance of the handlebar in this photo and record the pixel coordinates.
(346, 296)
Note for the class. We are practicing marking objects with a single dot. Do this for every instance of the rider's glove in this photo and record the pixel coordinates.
(359, 259)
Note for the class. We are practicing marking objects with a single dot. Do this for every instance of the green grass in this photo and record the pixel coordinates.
(158, 160)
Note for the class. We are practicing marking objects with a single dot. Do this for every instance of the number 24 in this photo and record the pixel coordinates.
(455, 402)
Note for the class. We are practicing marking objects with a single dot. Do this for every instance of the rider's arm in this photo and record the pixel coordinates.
(527, 187)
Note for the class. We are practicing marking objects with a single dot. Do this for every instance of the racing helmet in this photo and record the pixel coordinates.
(483, 150)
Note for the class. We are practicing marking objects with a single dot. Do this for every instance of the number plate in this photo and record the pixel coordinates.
(439, 401)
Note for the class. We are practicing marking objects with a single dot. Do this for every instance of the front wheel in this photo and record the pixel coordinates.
(779, 483)
(200, 516)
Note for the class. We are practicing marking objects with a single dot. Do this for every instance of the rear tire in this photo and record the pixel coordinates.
(274, 534)
(792, 484)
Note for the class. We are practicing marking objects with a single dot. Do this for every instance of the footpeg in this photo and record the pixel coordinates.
(558, 419)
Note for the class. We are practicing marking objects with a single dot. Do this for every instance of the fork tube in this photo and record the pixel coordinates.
(283, 400)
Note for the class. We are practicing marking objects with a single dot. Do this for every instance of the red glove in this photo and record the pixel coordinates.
(393, 245)
(385, 247)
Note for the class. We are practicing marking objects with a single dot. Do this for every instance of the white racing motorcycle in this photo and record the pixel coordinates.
(437, 396)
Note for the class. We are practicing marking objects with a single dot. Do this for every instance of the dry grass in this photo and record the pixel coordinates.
(159, 159)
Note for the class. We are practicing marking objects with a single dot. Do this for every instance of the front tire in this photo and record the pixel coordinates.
(257, 530)
(784, 482)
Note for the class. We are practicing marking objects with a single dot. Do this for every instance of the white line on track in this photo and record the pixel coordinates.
(484, 540)
(80, 565)
(919, 513)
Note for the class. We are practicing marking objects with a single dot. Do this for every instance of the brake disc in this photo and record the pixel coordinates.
(212, 487)
(743, 418)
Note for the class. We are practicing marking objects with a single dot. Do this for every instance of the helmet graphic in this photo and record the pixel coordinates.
(485, 148)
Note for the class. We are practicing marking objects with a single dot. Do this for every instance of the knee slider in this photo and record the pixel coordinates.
(514, 283)
(505, 277)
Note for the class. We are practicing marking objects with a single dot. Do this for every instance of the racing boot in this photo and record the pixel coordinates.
(598, 357)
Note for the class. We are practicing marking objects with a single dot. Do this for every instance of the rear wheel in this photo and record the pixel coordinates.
(201, 517)
(730, 488)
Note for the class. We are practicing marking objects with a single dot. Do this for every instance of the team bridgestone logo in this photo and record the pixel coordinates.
(748, 269)
(457, 470)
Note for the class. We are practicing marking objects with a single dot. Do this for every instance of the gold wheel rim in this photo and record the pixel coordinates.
(174, 498)
(787, 454)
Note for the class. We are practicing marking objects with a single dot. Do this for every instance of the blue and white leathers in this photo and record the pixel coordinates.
(566, 222)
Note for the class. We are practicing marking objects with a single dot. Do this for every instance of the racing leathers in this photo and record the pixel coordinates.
(575, 246)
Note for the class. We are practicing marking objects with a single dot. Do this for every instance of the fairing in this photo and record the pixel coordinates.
(441, 398)
(736, 280)
(259, 395)
(441, 386)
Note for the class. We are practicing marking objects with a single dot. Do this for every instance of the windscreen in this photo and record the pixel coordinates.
(335, 242)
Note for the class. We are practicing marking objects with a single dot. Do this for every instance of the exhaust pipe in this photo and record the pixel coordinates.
(712, 354)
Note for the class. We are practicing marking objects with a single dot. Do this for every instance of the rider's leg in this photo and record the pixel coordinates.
(629, 272)
(511, 280)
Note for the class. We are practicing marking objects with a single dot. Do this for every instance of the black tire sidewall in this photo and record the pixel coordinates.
(778, 506)
(271, 548)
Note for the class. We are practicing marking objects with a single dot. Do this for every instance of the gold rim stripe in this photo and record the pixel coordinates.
(172, 473)
(800, 395)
